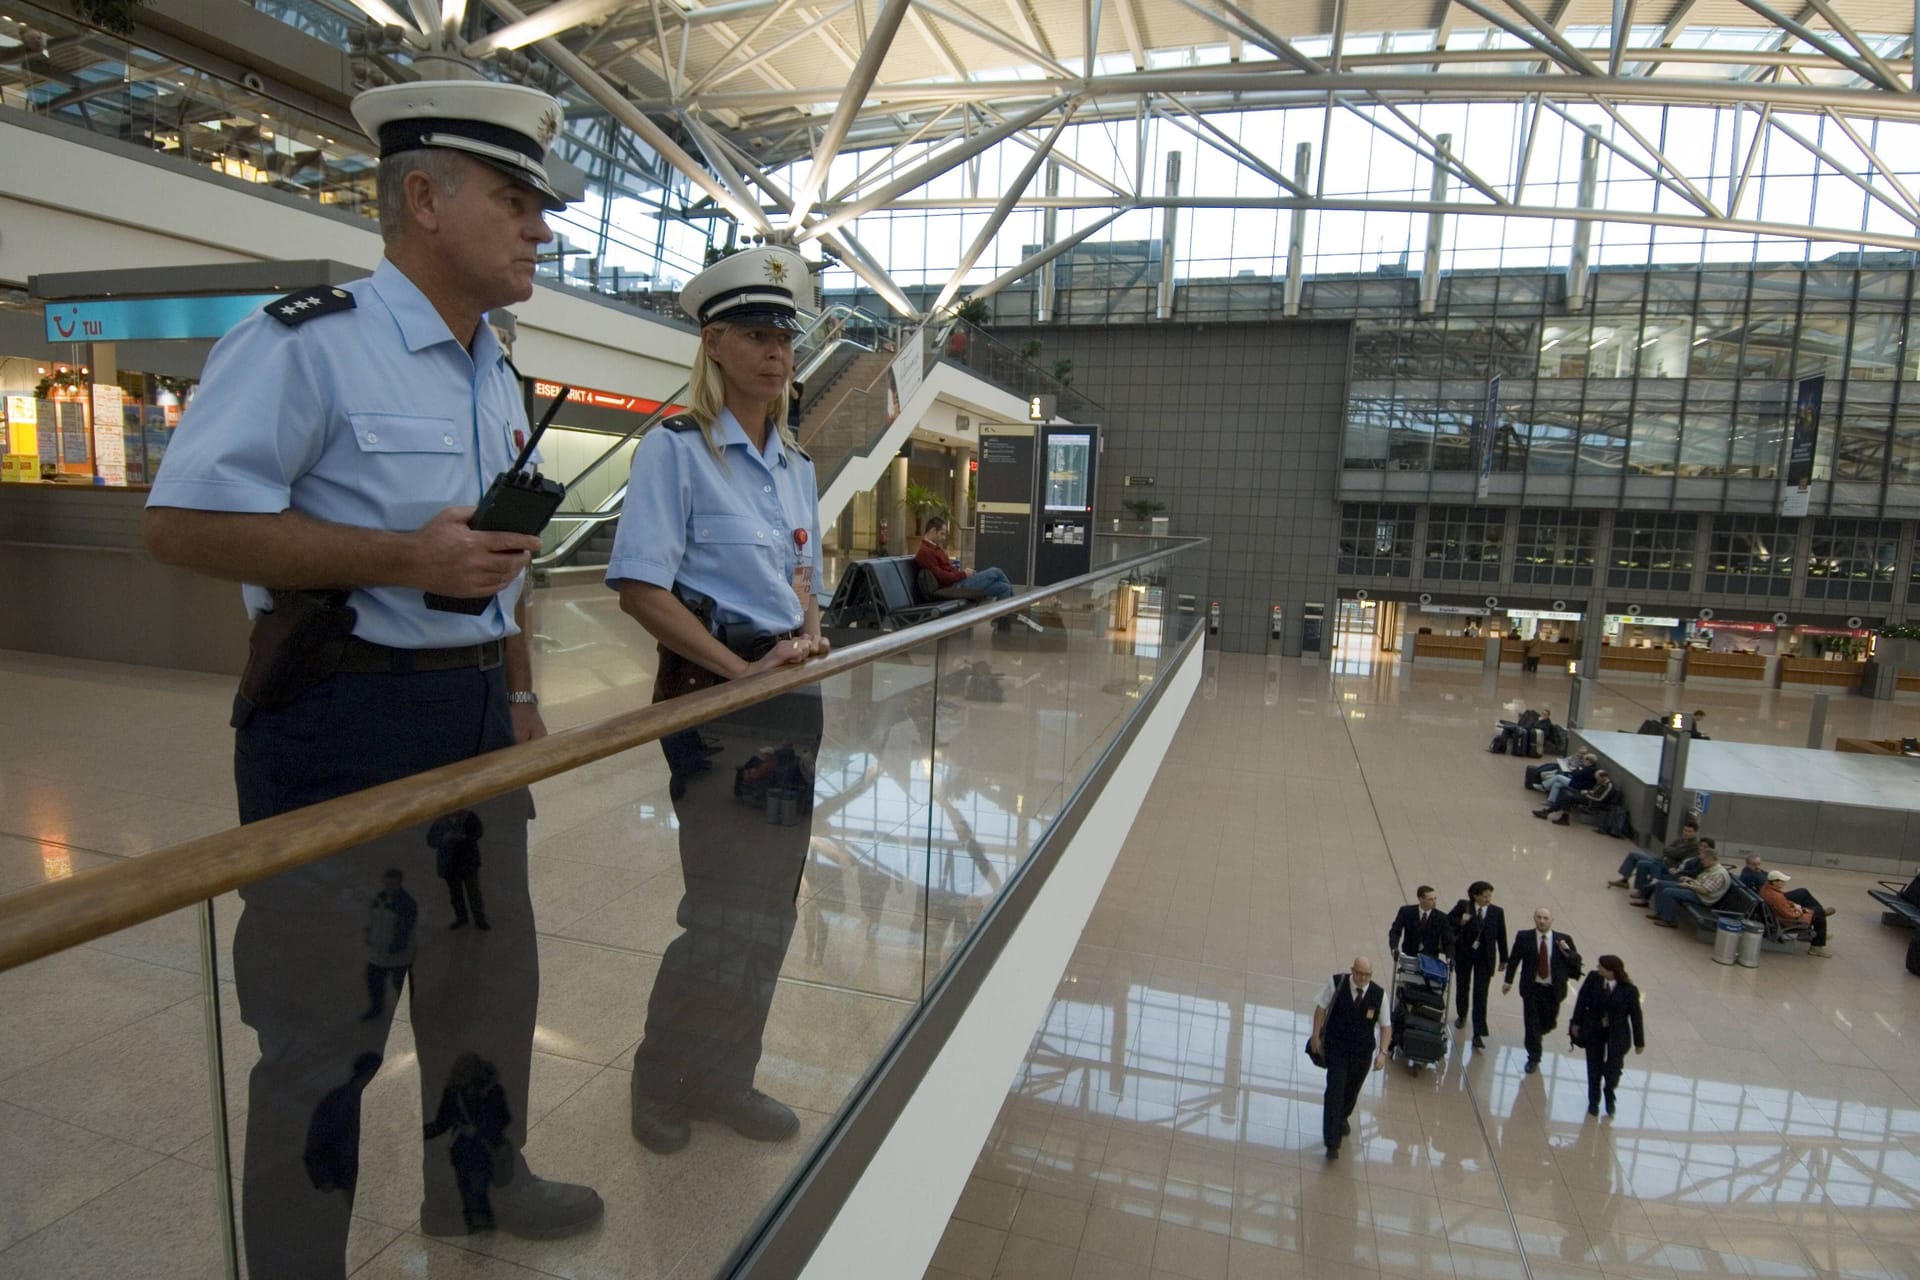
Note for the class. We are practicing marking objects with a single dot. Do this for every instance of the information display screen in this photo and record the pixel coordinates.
(1069, 472)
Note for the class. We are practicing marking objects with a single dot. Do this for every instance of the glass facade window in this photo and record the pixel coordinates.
(1852, 560)
(1685, 373)
(1463, 543)
(1752, 555)
(1555, 548)
(1652, 550)
(1376, 539)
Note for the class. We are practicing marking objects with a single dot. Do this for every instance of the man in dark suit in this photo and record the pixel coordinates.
(1479, 946)
(1419, 929)
(1544, 960)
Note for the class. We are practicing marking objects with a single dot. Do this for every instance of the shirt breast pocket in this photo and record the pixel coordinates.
(729, 531)
(384, 433)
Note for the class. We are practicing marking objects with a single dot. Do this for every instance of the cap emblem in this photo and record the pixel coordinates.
(549, 126)
(776, 270)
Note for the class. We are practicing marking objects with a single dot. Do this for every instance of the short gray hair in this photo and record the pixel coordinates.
(442, 166)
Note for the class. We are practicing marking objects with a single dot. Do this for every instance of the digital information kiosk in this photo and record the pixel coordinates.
(1034, 514)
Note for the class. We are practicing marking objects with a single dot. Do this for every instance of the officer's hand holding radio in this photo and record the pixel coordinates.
(451, 559)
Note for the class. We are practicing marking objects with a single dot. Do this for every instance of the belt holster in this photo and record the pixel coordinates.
(295, 646)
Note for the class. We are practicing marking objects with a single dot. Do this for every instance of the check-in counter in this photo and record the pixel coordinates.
(1819, 673)
(1650, 662)
(1909, 684)
(1726, 666)
(1456, 648)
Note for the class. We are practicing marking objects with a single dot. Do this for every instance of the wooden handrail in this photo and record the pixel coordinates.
(38, 922)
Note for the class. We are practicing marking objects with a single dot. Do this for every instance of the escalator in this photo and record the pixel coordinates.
(835, 360)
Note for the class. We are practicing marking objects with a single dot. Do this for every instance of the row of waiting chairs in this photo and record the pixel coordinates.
(890, 592)
(1745, 903)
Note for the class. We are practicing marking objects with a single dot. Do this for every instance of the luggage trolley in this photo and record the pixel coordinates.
(1420, 1010)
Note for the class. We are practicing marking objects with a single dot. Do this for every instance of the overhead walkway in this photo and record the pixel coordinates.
(969, 796)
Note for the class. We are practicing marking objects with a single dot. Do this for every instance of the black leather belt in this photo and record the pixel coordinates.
(759, 645)
(364, 656)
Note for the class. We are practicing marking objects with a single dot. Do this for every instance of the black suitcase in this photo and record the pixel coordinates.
(1424, 1000)
(1422, 1046)
(1419, 1024)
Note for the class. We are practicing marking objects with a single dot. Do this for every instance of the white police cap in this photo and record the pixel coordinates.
(508, 126)
(757, 286)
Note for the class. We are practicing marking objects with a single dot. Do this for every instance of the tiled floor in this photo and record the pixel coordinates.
(1165, 1122)
(107, 1146)
(1167, 1125)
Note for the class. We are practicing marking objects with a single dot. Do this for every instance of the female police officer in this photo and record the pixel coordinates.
(718, 546)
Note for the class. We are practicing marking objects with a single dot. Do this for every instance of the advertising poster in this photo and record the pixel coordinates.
(20, 457)
(905, 375)
(1800, 449)
(73, 432)
(1489, 426)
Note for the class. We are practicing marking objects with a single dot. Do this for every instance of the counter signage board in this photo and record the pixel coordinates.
(109, 440)
(150, 319)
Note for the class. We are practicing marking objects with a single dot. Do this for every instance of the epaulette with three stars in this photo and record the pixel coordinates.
(303, 305)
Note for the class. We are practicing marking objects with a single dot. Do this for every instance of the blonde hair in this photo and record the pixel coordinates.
(707, 396)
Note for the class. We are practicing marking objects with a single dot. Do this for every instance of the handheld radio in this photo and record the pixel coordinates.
(518, 501)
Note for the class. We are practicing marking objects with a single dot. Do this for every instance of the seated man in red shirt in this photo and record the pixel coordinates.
(932, 556)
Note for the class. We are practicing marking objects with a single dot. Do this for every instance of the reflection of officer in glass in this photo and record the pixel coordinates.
(474, 1107)
(340, 440)
(722, 508)
(455, 838)
(391, 917)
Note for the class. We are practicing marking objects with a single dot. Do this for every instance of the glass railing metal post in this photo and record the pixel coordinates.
(217, 1088)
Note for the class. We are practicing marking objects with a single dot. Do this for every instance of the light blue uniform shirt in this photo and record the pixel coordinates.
(724, 531)
(376, 417)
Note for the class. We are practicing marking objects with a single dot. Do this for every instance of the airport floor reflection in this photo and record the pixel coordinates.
(1166, 1123)
(106, 1137)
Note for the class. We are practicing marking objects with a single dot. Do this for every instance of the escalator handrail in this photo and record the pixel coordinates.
(38, 922)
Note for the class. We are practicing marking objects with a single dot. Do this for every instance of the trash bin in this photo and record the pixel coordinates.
(1726, 940)
(1750, 937)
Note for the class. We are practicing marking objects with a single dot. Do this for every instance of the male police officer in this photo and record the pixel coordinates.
(338, 445)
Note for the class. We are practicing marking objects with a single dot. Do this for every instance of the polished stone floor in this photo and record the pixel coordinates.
(107, 1141)
(1166, 1124)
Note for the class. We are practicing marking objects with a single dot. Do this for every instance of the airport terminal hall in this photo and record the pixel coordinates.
(959, 640)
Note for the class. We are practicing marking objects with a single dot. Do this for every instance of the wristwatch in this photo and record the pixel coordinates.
(524, 697)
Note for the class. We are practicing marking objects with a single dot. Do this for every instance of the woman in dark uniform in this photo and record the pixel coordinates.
(1606, 1019)
(716, 557)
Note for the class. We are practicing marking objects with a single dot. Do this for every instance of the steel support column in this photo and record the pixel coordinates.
(1049, 232)
(1436, 228)
(1583, 231)
(1169, 228)
(1297, 234)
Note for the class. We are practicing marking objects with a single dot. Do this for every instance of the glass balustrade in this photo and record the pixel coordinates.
(764, 902)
